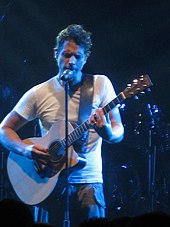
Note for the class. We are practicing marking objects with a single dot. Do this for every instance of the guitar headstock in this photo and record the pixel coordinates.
(138, 85)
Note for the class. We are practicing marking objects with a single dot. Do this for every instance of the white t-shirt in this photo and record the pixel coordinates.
(46, 101)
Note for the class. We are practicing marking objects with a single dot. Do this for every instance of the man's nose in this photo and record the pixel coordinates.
(72, 60)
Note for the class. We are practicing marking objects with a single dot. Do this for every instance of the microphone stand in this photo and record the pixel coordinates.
(66, 222)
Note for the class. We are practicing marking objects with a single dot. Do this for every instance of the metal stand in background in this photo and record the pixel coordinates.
(152, 152)
(158, 158)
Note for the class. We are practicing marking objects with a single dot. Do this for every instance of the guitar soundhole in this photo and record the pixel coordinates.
(56, 151)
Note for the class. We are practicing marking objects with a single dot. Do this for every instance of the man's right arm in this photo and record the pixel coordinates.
(12, 142)
(8, 133)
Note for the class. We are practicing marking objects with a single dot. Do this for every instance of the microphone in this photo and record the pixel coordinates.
(66, 74)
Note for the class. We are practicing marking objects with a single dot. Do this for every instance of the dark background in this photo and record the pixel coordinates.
(130, 38)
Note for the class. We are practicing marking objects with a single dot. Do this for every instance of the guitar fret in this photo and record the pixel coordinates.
(82, 128)
(63, 143)
(76, 134)
(80, 131)
(107, 108)
(71, 136)
(113, 103)
(121, 97)
(70, 141)
(85, 126)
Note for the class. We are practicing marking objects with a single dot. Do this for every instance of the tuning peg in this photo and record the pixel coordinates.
(142, 93)
(136, 97)
(148, 89)
(135, 81)
(129, 85)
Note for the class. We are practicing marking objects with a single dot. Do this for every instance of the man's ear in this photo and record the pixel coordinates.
(85, 60)
(55, 53)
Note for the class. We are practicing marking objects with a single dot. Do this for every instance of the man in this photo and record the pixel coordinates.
(46, 102)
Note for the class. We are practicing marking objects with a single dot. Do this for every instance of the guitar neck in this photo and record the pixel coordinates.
(118, 100)
(78, 132)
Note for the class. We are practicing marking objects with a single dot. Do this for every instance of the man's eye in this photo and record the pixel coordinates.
(77, 56)
(67, 55)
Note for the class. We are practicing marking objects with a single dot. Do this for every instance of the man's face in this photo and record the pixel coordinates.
(71, 56)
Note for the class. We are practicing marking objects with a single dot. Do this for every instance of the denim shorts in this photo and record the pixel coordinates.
(85, 200)
(90, 197)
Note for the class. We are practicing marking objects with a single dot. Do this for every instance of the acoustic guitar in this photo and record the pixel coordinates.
(29, 184)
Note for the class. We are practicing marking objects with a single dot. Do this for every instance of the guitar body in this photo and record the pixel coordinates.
(29, 186)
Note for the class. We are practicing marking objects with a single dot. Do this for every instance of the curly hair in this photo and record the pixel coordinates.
(76, 33)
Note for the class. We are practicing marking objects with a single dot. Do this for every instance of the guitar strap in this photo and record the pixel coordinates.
(85, 108)
(86, 97)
